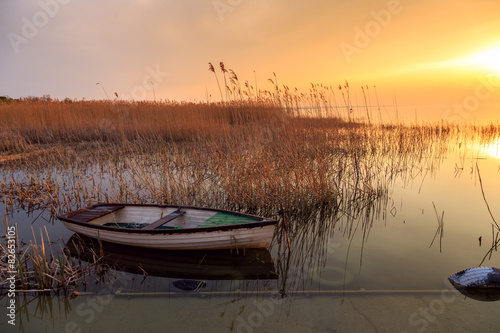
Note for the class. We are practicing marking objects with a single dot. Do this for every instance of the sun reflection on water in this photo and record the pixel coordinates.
(492, 149)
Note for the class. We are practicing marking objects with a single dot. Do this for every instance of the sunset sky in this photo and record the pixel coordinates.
(436, 59)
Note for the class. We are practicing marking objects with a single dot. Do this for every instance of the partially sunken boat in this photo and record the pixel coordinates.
(479, 283)
(171, 227)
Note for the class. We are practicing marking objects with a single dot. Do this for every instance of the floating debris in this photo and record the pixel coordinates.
(479, 283)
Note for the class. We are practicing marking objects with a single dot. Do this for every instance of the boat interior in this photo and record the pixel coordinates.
(154, 217)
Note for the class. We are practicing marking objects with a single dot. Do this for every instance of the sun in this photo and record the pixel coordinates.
(486, 60)
(489, 60)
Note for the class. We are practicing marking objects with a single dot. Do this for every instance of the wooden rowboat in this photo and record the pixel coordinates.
(171, 227)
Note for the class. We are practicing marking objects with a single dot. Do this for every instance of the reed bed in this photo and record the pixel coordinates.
(221, 155)
(27, 123)
(256, 155)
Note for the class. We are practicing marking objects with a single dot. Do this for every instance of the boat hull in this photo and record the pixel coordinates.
(479, 283)
(254, 237)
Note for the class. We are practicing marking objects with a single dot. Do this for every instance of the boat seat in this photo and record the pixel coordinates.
(164, 220)
(92, 213)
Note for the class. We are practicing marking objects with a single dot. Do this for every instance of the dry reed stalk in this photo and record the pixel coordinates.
(484, 197)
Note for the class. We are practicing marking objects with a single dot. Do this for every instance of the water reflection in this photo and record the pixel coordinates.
(249, 264)
(492, 149)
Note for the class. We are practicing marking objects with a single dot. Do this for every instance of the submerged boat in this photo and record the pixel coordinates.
(479, 283)
(170, 227)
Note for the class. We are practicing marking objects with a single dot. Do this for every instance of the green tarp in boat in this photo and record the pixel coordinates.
(218, 219)
(221, 219)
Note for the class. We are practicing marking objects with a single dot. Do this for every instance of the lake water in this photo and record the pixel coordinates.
(383, 270)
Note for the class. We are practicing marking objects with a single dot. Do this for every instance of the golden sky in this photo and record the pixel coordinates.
(420, 53)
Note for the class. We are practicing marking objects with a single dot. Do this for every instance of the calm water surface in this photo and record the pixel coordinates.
(384, 270)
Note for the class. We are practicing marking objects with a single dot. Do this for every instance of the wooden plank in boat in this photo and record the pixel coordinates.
(94, 212)
(164, 220)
